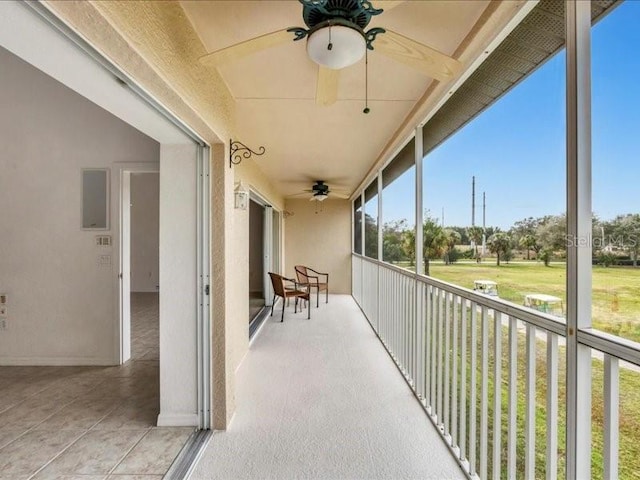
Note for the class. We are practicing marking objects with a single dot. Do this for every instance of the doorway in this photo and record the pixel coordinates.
(264, 257)
(139, 261)
(257, 299)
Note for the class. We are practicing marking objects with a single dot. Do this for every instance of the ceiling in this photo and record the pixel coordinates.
(275, 89)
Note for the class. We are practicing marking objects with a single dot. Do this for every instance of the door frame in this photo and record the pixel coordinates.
(204, 365)
(270, 252)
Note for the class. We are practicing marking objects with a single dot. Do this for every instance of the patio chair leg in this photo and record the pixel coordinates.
(327, 294)
(318, 297)
(273, 303)
(309, 309)
(282, 317)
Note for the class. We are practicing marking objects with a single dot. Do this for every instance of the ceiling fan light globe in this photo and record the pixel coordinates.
(348, 46)
(319, 197)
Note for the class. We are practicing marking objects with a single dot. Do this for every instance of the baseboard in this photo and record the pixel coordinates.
(178, 420)
(56, 362)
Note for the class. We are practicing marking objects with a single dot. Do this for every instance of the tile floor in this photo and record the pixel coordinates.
(89, 423)
(321, 399)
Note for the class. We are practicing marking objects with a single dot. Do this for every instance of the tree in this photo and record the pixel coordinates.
(475, 234)
(462, 231)
(545, 255)
(500, 244)
(627, 234)
(529, 242)
(452, 238)
(370, 236)
(551, 232)
(434, 241)
(392, 245)
(409, 245)
(526, 226)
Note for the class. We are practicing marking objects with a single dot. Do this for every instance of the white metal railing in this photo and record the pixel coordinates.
(460, 351)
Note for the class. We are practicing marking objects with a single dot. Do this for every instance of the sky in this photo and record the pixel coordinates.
(516, 148)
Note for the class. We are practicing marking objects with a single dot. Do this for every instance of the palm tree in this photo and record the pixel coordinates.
(409, 245)
(452, 239)
(434, 241)
(529, 242)
(475, 234)
(500, 244)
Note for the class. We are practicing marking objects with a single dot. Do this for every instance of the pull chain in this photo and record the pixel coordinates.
(330, 46)
(366, 82)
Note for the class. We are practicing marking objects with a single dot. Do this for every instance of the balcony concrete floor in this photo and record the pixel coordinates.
(321, 399)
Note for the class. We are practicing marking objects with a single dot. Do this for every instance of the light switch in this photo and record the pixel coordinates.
(103, 240)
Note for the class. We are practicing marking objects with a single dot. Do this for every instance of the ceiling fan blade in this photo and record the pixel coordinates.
(424, 59)
(248, 47)
(387, 5)
(327, 89)
(339, 195)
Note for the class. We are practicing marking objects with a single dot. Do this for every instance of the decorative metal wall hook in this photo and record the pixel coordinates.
(238, 151)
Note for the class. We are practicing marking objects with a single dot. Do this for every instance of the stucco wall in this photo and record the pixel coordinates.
(249, 173)
(62, 288)
(320, 240)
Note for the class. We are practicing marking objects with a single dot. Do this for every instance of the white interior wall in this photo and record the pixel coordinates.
(62, 288)
(178, 394)
(145, 197)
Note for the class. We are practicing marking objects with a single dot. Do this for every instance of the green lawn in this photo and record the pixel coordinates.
(616, 290)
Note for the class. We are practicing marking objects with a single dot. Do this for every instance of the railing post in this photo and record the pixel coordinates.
(552, 407)
(513, 398)
(473, 399)
(497, 394)
(454, 380)
(579, 213)
(611, 416)
(420, 306)
(530, 405)
(380, 253)
(484, 393)
(419, 202)
(462, 436)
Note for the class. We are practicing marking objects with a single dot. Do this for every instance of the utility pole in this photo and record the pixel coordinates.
(484, 209)
(473, 201)
(442, 224)
(484, 226)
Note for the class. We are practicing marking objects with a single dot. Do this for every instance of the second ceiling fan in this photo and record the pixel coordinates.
(336, 38)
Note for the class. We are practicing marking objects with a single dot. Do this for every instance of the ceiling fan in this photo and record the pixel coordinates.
(320, 192)
(336, 38)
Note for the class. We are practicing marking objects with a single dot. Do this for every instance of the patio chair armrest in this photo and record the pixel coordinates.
(319, 273)
(313, 278)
